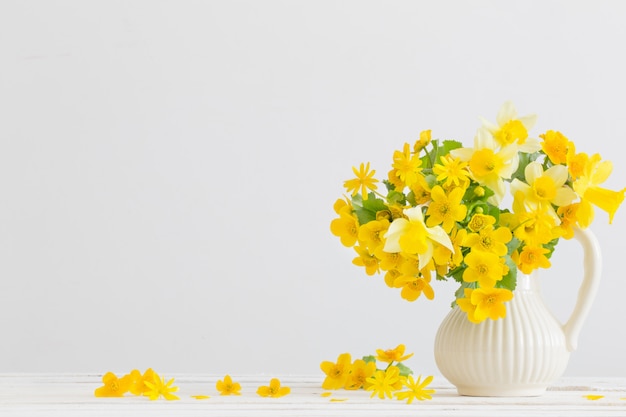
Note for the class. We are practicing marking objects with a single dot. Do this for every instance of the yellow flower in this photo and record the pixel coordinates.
(479, 221)
(416, 389)
(556, 146)
(364, 180)
(412, 287)
(359, 373)
(489, 240)
(383, 383)
(367, 260)
(137, 384)
(531, 258)
(452, 170)
(489, 165)
(534, 227)
(406, 166)
(336, 373)
(371, 234)
(587, 187)
(228, 387)
(346, 227)
(446, 209)
(544, 188)
(513, 130)
(576, 162)
(486, 268)
(489, 302)
(389, 261)
(421, 190)
(274, 390)
(113, 386)
(410, 235)
(159, 388)
(465, 304)
(423, 141)
(391, 276)
(393, 355)
(567, 214)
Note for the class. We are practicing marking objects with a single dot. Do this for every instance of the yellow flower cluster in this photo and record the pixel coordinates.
(395, 380)
(443, 216)
(228, 387)
(149, 384)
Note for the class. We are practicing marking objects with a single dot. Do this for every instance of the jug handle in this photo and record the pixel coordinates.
(592, 266)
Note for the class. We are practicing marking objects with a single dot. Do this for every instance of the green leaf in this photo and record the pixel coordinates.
(509, 281)
(396, 197)
(366, 210)
(513, 245)
(448, 145)
(404, 370)
(551, 245)
(370, 358)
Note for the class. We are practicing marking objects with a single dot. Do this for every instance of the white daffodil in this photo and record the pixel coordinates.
(511, 129)
(412, 236)
(489, 163)
(544, 188)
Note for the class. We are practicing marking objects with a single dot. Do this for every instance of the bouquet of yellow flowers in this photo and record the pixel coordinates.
(443, 214)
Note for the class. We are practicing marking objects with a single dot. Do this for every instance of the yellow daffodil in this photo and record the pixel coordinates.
(544, 188)
(336, 373)
(489, 303)
(364, 180)
(452, 171)
(587, 187)
(412, 236)
(228, 387)
(533, 227)
(416, 389)
(531, 258)
(489, 240)
(274, 389)
(113, 386)
(446, 209)
(513, 130)
(392, 355)
(359, 373)
(489, 164)
(556, 146)
(383, 383)
(159, 388)
(406, 166)
(483, 267)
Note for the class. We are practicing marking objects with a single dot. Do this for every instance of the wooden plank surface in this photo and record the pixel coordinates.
(72, 395)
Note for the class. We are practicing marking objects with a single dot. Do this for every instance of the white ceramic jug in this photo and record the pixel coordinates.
(523, 353)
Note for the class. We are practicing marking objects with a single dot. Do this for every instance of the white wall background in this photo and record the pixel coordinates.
(168, 170)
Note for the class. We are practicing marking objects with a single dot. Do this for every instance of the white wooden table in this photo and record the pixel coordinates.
(70, 395)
